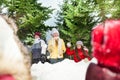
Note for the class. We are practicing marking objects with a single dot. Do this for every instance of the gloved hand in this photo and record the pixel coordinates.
(96, 72)
(86, 60)
(68, 44)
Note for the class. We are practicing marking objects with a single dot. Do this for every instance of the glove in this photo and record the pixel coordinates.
(96, 72)
(69, 44)
(86, 60)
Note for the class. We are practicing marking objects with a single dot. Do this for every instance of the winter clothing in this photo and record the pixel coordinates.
(37, 33)
(52, 61)
(56, 47)
(69, 51)
(95, 72)
(79, 43)
(6, 77)
(14, 56)
(106, 44)
(38, 48)
(54, 30)
(56, 51)
(78, 54)
(68, 44)
(106, 49)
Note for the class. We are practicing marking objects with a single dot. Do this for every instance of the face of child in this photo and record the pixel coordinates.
(55, 35)
(78, 46)
(36, 36)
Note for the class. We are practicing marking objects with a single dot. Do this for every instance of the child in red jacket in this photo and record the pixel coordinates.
(69, 51)
(78, 53)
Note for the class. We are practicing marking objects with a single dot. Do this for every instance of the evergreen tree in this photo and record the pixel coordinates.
(77, 17)
(29, 16)
(77, 20)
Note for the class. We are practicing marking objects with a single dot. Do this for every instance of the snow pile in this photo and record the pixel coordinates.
(65, 70)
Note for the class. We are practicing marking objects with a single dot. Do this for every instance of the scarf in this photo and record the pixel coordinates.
(59, 44)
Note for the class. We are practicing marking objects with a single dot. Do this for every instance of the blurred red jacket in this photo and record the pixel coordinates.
(78, 54)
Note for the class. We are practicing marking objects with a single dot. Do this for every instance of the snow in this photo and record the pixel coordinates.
(65, 70)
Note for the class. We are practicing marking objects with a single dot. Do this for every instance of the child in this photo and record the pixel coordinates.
(78, 53)
(69, 51)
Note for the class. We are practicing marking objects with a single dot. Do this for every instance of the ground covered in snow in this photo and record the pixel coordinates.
(65, 70)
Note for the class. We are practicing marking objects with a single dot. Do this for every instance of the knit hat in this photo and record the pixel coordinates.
(37, 33)
(54, 30)
(79, 42)
(106, 44)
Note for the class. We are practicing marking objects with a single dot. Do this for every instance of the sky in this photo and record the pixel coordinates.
(54, 4)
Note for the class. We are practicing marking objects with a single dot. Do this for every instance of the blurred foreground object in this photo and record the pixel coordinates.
(14, 57)
(106, 44)
(106, 49)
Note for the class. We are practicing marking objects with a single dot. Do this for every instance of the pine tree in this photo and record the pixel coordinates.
(77, 21)
(78, 17)
(29, 16)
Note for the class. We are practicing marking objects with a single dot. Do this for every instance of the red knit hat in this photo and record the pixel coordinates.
(106, 44)
(37, 33)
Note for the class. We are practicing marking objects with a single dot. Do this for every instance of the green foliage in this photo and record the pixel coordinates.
(108, 9)
(77, 17)
(77, 22)
(29, 16)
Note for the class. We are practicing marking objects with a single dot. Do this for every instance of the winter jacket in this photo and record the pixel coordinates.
(69, 51)
(78, 54)
(56, 51)
(96, 72)
(38, 48)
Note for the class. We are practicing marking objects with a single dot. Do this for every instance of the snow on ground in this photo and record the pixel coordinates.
(65, 70)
